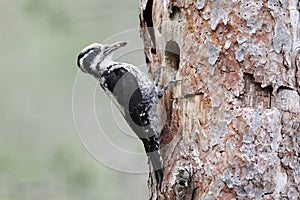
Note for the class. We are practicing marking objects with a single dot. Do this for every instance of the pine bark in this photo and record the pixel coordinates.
(233, 120)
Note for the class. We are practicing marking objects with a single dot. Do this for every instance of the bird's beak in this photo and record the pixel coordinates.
(110, 48)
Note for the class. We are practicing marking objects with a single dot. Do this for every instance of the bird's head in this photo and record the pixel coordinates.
(97, 56)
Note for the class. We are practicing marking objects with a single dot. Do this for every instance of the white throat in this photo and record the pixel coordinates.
(106, 62)
(103, 64)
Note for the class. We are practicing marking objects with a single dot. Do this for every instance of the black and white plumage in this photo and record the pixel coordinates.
(132, 91)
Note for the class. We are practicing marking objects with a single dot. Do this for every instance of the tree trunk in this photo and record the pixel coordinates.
(233, 122)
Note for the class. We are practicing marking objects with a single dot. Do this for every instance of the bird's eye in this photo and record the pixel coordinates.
(96, 50)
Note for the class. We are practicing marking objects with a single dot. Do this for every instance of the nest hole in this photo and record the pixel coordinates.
(172, 55)
(175, 13)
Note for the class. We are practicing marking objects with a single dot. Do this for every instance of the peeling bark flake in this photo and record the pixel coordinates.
(212, 53)
(282, 40)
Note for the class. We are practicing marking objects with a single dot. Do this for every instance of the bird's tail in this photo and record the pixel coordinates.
(152, 149)
(157, 166)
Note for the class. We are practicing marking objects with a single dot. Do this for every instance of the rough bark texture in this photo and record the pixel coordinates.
(233, 125)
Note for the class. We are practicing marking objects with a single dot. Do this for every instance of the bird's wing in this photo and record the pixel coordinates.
(123, 85)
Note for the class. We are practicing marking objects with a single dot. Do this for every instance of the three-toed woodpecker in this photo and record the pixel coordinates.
(134, 94)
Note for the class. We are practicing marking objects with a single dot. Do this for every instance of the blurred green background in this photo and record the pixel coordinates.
(41, 156)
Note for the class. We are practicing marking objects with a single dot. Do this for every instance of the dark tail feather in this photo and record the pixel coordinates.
(157, 166)
(151, 146)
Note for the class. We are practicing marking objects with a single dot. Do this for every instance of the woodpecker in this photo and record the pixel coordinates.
(134, 94)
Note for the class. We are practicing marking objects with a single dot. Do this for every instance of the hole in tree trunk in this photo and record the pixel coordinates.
(172, 54)
(175, 13)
